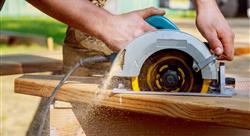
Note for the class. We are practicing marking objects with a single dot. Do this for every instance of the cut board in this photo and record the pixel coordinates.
(233, 111)
(24, 63)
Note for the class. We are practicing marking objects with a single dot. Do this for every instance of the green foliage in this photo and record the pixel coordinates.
(42, 26)
(173, 14)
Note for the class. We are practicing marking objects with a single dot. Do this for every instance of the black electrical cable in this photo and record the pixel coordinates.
(82, 62)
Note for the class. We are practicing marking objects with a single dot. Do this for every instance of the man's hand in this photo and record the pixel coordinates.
(121, 29)
(214, 27)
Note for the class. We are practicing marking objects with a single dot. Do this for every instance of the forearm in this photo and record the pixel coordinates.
(204, 5)
(80, 14)
(114, 30)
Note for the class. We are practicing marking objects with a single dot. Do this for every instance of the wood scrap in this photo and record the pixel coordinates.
(10, 38)
(242, 51)
(24, 63)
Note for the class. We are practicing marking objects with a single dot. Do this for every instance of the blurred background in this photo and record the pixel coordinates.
(26, 30)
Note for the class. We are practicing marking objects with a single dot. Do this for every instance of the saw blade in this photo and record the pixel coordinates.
(169, 71)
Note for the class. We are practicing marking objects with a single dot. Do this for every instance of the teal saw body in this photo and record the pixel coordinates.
(161, 22)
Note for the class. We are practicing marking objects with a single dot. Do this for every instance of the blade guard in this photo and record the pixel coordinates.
(167, 37)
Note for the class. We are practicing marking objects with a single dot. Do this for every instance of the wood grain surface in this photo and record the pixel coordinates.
(233, 111)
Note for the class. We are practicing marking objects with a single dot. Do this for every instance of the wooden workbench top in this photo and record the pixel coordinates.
(233, 111)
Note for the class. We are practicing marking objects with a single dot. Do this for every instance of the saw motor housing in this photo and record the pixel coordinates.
(137, 52)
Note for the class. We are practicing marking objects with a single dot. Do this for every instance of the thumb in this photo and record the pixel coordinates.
(145, 13)
(215, 44)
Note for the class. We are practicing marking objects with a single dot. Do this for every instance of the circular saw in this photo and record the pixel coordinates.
(169, 61)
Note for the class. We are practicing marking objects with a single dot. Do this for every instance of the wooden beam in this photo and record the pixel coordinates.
(24, 63)
(233, 111)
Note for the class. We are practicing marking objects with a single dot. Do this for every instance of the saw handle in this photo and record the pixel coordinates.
(161, 22)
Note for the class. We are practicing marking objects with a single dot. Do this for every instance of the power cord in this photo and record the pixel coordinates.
(82, 62)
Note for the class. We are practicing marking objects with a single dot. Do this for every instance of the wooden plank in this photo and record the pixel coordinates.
(242, 50)
(24, 63)
(225, 111)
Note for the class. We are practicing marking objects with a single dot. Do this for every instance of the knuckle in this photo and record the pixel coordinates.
(213, 42)
(209, 32)
(152, 9)
(229, 33)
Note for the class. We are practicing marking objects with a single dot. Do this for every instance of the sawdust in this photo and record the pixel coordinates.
(88, 113)
(105, 92)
